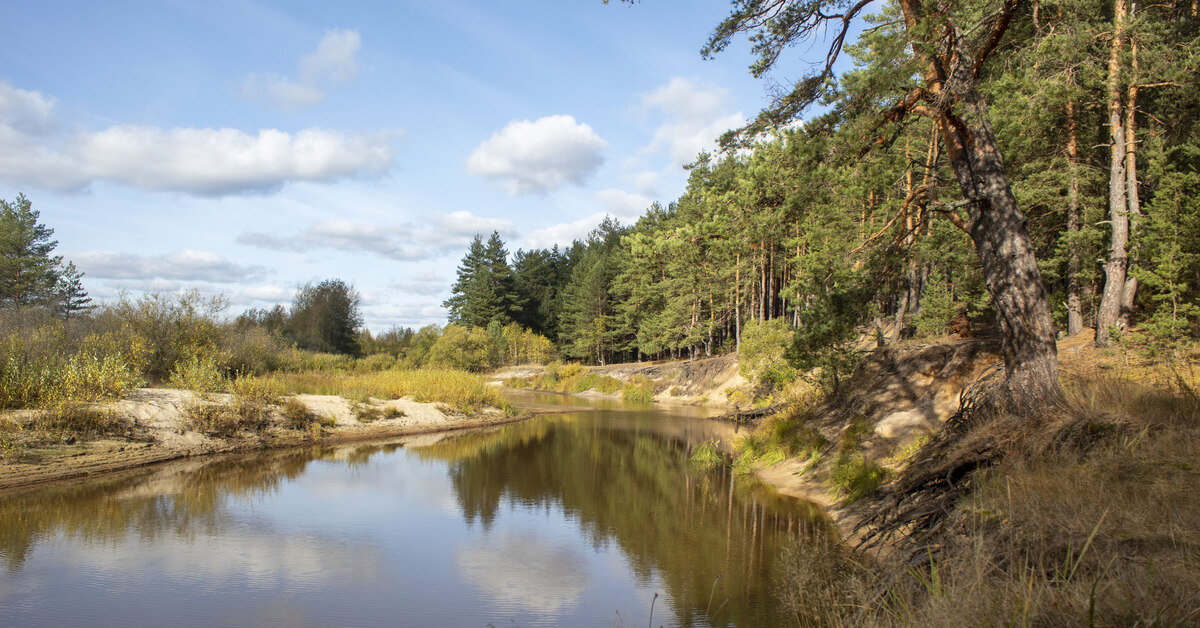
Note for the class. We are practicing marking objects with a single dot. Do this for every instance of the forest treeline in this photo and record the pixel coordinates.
(854, 216)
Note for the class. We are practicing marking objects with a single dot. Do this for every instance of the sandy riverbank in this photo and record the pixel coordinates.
(159, 430)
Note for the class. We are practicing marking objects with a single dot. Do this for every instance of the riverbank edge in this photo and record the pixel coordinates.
(65, 463)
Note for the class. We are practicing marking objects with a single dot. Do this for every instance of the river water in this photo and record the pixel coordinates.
(592, 518)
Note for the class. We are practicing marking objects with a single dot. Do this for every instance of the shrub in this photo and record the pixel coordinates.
(579, 382)
(762, 355)
(213, 419)
(297, 414)
(367, 413)
(200, 373)
(11, 447)
(89, 377)
(639, 388)
(461, 348)
(609, 385)
(516, 382)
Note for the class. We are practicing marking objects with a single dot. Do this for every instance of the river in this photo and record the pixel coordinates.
(592, 517)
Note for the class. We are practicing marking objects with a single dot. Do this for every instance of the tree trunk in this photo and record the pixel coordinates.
(996, 225)
(1074, 314)
(737, 304)
(1129, 291)
(1118, 261)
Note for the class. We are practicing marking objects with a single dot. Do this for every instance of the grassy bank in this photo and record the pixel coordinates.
(1084, 514)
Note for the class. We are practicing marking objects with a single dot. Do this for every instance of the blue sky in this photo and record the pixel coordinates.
(245, 148)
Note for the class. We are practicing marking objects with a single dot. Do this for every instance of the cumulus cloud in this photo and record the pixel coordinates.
(270, 293)
(622, 204)
(456, 229)
(563, 234)
(440, 233)
(536, 157)
(333, 63)
(35, 150)
(693, 115)
(184, 265)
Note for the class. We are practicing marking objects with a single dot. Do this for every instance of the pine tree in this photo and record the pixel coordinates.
(72, 298)
(472, 265)
(28, 273)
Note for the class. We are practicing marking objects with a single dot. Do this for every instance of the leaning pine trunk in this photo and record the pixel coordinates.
(996, 227)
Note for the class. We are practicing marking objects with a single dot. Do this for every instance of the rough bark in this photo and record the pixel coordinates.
(1074, 314)
(996, 225)
(1109, 315)
(1132, 202)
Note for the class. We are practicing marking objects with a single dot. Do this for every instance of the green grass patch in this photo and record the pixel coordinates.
(706, 456)
(609, 385)
(517, 382)
(854, 477)
(579, 382)
(639, 388)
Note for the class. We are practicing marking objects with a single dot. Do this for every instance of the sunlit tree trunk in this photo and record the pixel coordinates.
(1115, 269)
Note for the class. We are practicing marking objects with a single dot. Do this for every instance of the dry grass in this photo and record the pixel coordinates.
(459, 390)
(1088, 516)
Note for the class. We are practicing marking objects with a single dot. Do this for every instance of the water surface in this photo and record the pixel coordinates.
(572, 519)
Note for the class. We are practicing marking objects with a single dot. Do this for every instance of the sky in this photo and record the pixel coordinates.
(245, 148)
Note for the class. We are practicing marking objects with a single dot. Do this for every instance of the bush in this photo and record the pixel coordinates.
(639, 388)
(609, 385)
(762, 354)
(516, 382)
(200, 373)
(461, 348)
(89, 377)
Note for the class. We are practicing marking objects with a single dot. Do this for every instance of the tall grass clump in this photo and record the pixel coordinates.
(854, 476)
(780, 436)
(639, 388)
(608, 385)
(706, 456)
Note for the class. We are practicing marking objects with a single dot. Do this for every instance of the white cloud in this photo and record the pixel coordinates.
(166, 270)
(536, 157)
(622, 204)
(693, 115)
(439, 234)
(268, 292)
(522, 569)
(563, 234)
(201, 161)
(333, 63)
(392, 241)
(456, 229)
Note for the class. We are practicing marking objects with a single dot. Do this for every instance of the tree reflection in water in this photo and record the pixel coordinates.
(713, 538)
